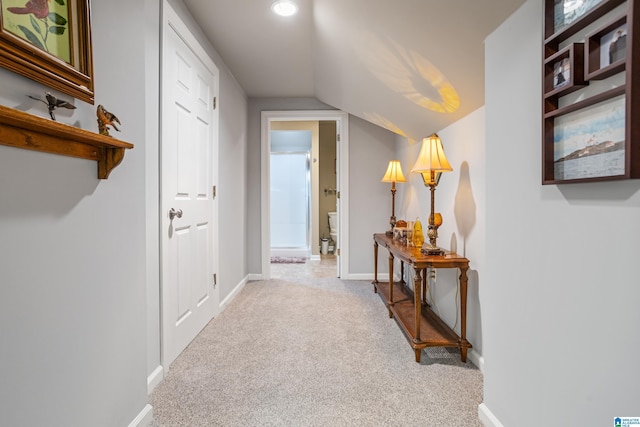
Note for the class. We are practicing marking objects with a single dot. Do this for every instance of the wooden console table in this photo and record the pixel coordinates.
(422, 327)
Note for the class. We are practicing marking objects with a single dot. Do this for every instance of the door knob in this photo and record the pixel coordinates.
(175, 213)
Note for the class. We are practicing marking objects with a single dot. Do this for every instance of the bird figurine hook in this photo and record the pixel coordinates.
(105, 119)
(52, 103)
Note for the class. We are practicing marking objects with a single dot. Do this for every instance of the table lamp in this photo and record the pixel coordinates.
(394, 174)
(430, 164)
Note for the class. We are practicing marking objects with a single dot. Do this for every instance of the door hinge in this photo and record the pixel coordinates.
(215, 102)
(338, 251)
(213, 192)
(338, 194)
(338, 137)
(215, 280)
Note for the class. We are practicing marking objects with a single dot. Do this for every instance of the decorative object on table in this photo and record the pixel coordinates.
(105, 119)
(52, 103)
(417, 237)
(431, 163)
(49, 42)
(394, 174)
(400, 231)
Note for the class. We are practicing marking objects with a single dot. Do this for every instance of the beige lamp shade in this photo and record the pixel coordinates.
(431, 157)
(394, 172)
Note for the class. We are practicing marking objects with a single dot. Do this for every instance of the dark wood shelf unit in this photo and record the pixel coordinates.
(23, 130)
(587, 65)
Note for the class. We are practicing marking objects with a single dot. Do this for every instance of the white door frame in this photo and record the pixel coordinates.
(342, 184)
(171, 21)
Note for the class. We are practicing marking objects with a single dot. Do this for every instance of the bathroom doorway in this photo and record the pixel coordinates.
(290, 190)
(327, 174)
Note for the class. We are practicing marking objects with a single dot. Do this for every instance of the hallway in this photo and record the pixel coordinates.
(311, 269)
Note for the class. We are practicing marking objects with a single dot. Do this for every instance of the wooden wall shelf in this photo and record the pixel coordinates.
(592, 135)
(24, 130)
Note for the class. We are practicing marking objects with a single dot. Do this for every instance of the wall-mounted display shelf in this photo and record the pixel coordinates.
(24, 130)
(590, 50)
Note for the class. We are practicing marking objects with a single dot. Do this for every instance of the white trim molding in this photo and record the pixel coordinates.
(144, 418)
(487, 418)
(234, 293)
(342, 128)
(155, 378)
(477, 359)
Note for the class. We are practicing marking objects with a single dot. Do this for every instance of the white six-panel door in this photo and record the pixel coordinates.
(188, 166)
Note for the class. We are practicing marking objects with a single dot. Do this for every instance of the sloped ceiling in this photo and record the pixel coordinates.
(411, 66)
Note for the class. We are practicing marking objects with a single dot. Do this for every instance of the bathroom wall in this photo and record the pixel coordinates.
(327, 168)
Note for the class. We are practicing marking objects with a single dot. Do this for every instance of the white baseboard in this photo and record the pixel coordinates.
(155, 378)
(477, 359)
(144, 418)
(253, 277)
(366, 276)
(487, 418)
(234, 293)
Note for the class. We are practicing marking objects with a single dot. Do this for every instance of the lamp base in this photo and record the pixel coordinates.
(389, 232)
(432, 250)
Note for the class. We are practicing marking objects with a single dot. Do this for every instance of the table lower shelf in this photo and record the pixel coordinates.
(433, 331)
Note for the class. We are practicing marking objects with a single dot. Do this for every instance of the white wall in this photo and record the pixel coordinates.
(460, 198)
(370, 149)
(559, 293)
(72, 252)
(152, 186)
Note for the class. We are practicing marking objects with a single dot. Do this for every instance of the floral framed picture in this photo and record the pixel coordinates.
(49, 41)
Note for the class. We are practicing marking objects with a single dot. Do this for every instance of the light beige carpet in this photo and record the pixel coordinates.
(313, 352)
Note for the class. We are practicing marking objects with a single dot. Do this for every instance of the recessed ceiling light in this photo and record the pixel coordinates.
(284, 8)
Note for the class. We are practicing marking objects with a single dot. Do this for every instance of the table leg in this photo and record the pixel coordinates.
(424, 286)
(417, 291)
(464, 344)
(390, 282)
(375, 265)
(401, 271)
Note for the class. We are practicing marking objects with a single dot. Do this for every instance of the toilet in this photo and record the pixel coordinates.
(333, 230)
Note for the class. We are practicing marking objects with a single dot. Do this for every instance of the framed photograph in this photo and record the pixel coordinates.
(564, 71)
(49, 41)
(607, 50)
(564, 18)
(615, 46)
(590, 142)
(566, 12)
(561, 73)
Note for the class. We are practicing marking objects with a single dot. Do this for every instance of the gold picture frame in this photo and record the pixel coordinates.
(49, 41)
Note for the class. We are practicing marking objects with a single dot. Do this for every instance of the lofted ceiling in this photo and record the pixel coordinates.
(411, 66)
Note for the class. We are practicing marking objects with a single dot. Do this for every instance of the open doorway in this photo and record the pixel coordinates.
(319, 190)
